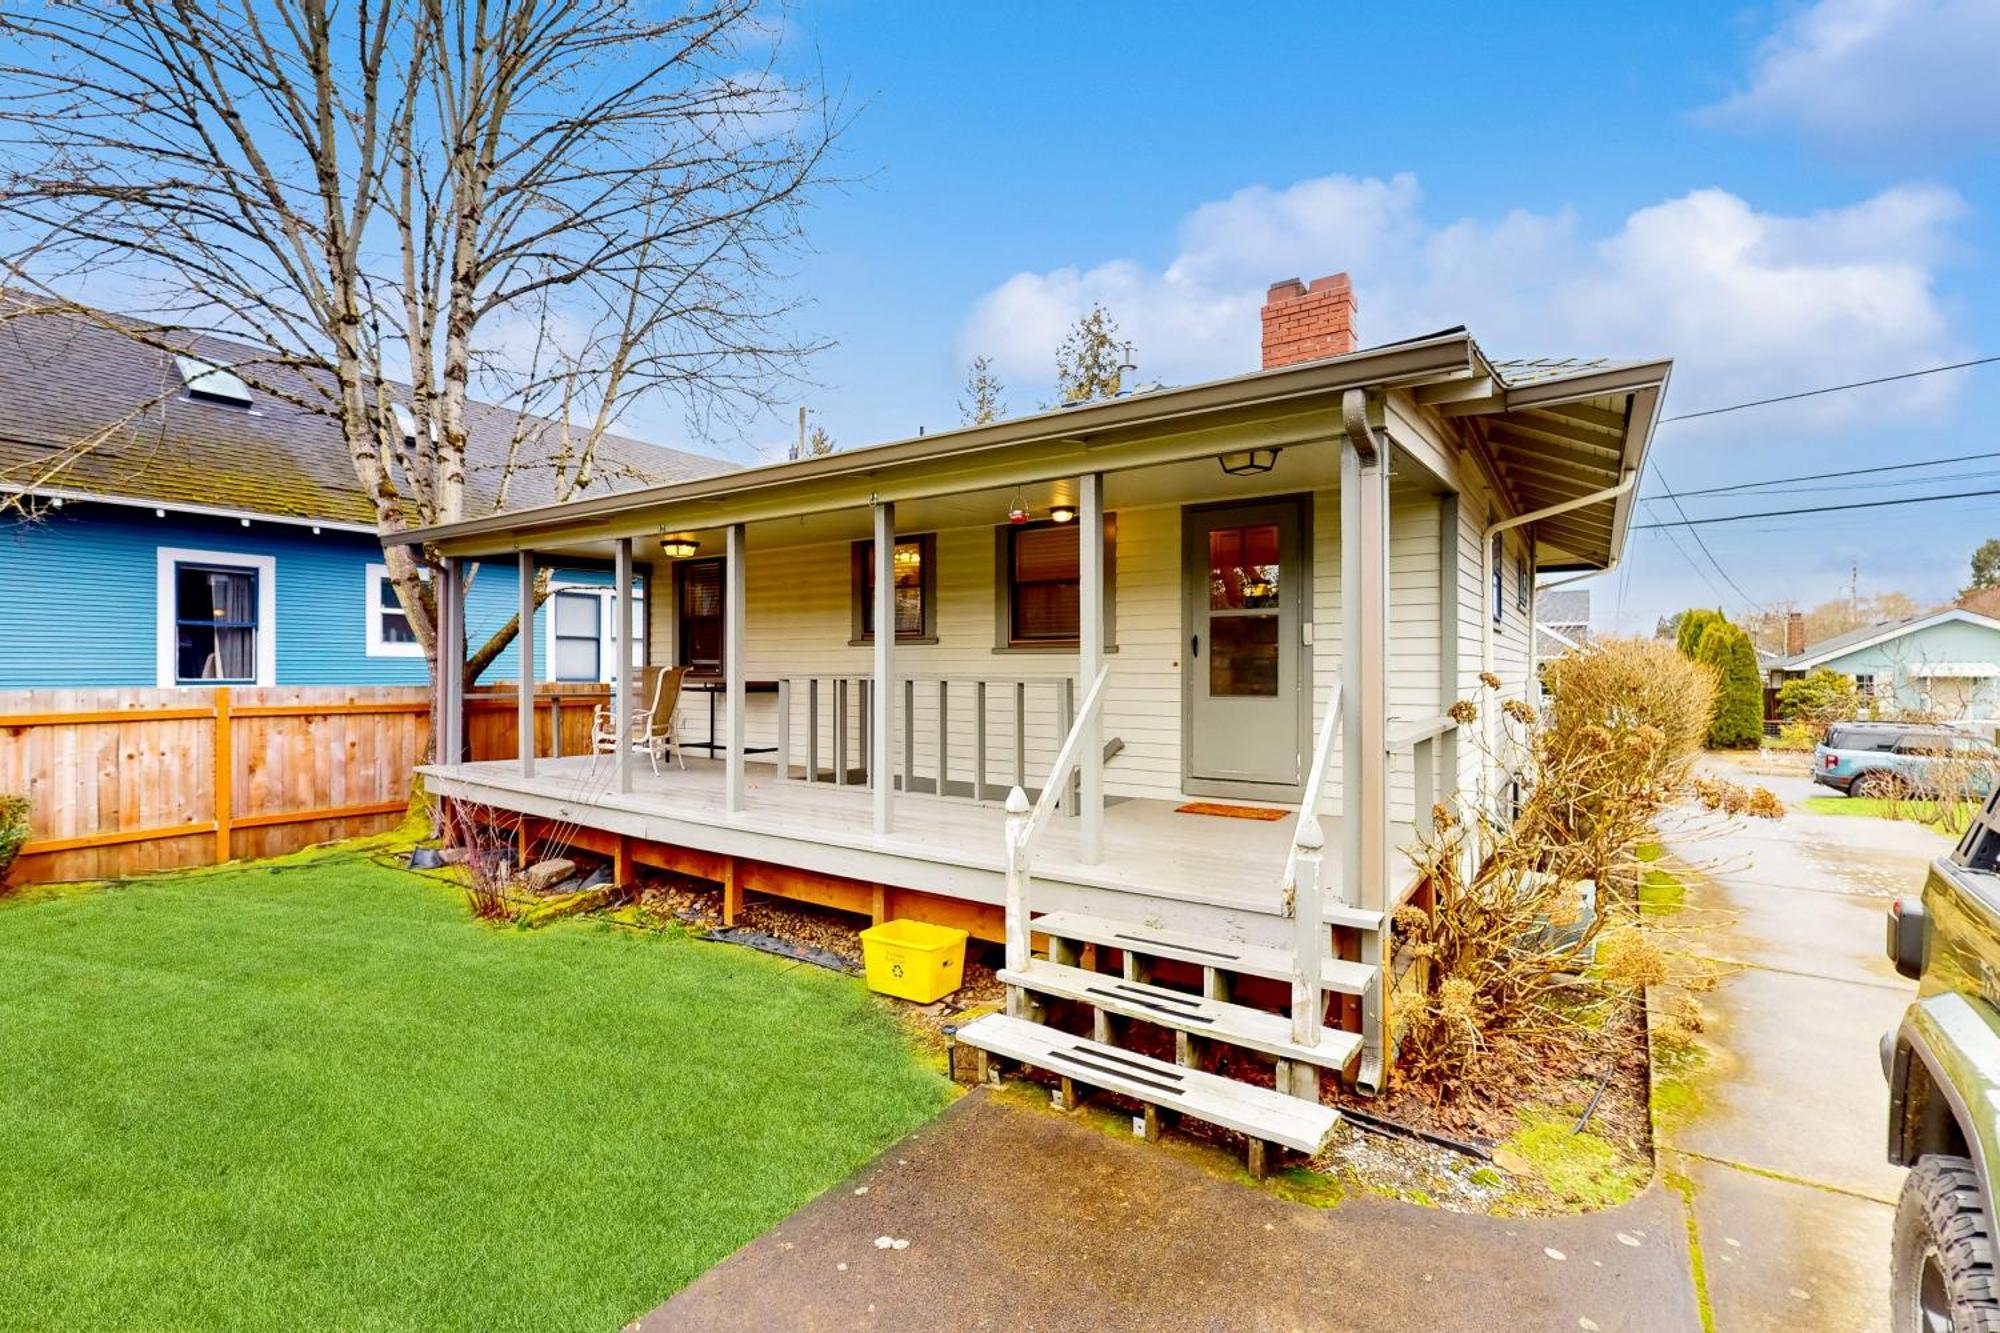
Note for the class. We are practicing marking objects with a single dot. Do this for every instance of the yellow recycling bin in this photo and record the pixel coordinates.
(914, 960)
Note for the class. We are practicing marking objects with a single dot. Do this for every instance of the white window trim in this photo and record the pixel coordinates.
(377, 645)
(167, 636)
(607, 630)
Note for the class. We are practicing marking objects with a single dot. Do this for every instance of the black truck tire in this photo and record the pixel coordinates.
(1941, 1257)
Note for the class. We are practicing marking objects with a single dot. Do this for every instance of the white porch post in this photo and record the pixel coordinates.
(621, 701)
(524, 643)
(732, 667)
(451, 663)
(1090, 657)
(881, 764)
(1364, 663)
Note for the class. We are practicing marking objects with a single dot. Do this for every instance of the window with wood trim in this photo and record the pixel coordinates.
(698, 593)
(1040, 582)
(916, 589)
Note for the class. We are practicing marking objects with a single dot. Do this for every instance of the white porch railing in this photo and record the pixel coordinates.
(1433, 763)
(990, 716)
(1024, 828)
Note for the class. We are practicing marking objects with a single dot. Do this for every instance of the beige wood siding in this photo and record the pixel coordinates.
(799, 622)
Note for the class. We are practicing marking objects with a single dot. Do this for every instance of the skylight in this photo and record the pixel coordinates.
(204, 379)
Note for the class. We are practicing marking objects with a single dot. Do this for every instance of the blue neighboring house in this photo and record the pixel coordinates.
(1944, 662)
(214, 533)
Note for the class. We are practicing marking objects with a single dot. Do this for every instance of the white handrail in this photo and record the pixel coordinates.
(1024, 826)
(1329, 730)
(1414, 733)
(1065, 765)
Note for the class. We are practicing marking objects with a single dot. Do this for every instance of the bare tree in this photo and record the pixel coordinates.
(562, 207)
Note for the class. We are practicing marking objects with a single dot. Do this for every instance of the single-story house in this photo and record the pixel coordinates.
(1944, 662)
(214, 534)
(1106, 682)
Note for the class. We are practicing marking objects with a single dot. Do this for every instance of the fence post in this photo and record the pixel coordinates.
(225, 771)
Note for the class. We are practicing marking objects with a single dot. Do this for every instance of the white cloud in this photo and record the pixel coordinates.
(1877, 74)
(1748, 303)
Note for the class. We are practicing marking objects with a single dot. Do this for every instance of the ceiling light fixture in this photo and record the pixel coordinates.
(1249, 463)
(679, 545)
(1063, 513)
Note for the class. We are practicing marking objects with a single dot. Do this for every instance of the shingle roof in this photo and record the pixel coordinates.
(1563, 606)
(1527, 370)
(65, 378)
(1886, 629)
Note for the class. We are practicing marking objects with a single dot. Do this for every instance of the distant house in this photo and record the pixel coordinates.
(1562, 621)
(217, 534)
(1945, 662)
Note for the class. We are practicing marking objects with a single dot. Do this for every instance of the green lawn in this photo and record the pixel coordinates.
(1875, 808)
(317, 1096)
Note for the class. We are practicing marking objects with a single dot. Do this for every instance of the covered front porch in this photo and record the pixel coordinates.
(1203, 873)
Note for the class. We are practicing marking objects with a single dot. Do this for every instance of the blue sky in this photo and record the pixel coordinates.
(1780, 197)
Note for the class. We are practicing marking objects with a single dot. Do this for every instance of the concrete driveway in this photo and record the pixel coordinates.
(1793, 1198)
(1012, 1216)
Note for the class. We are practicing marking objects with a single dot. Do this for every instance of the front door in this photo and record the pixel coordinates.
(1245, 582)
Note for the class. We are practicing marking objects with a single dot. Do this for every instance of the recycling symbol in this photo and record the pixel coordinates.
(895, 969)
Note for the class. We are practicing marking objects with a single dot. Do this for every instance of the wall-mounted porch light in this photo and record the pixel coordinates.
(679, 546)
(1249, 463)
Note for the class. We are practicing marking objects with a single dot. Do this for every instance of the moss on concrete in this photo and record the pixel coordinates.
(1580, 1169)
(1678, 1073)
(1697, 1262)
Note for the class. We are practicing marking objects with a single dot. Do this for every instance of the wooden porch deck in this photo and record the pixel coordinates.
(1202, 872)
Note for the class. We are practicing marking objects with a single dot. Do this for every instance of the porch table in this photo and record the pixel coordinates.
(712, 686)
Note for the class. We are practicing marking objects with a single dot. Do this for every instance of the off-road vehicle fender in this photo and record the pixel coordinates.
(1944, 1085)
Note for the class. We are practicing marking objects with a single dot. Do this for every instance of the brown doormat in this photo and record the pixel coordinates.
(1229, 811)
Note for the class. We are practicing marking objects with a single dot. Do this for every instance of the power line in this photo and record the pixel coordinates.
(1845, 472)
(1832, 388)
(1661, 477)
(1818, 509)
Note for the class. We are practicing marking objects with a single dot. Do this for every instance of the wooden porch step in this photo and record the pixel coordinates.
(1246, 1108)
(1234, 1024)
(1336, 974)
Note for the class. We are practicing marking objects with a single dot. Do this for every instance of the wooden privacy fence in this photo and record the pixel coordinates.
(124, 781)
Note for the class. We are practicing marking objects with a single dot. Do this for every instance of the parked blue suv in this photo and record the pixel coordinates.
(1899, 758)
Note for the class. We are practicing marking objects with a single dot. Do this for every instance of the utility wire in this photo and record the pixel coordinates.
(1818, 509)
(1748, 600)
(1832, 388)
(1845, 472)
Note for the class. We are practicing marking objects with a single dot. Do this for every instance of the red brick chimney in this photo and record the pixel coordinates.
(1304, 323)
(1795, 633)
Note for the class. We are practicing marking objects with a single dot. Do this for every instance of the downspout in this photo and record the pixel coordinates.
(1625, 483)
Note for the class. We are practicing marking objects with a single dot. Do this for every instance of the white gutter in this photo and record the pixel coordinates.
(178, 507)
(1625, 483)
